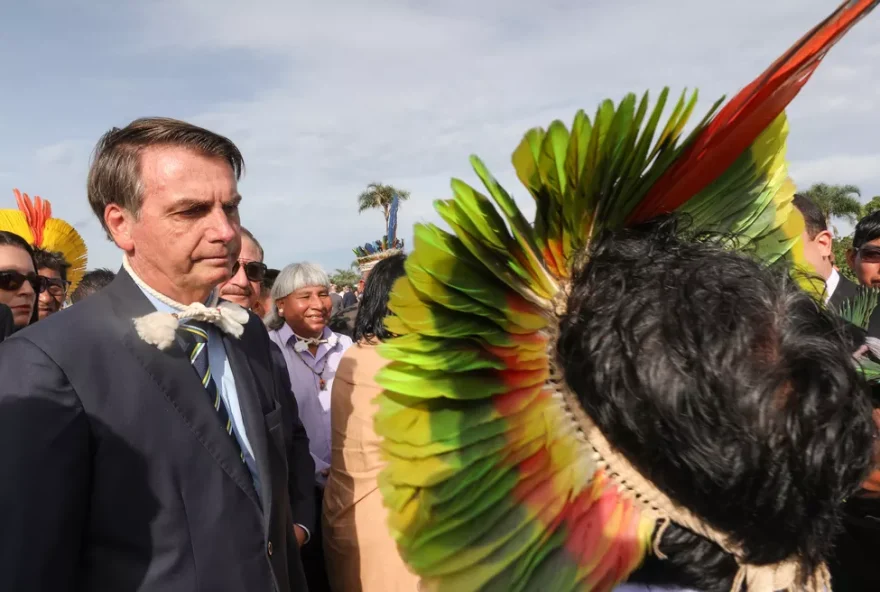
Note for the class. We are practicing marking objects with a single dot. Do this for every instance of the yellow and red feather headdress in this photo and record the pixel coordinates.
(33, 222)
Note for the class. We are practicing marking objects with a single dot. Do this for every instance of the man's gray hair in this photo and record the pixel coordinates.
(248, 234)
(295, 276)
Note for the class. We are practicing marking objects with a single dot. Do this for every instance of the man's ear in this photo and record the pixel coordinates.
(119, 223)
(823, 241)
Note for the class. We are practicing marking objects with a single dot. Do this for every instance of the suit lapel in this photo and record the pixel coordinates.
(253, 410)
(173, 374)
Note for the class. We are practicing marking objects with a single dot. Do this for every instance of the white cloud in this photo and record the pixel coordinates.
(402, 92)
(838, 169)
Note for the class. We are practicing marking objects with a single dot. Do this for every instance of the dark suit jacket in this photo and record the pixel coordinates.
(116, 474)
(845, 290)
(7, 322)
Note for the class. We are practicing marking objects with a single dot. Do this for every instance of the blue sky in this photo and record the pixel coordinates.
(324, 97)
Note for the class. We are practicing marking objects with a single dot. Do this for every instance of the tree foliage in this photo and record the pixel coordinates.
(872, 206)
(379, 197)
(839, 248)
(840, 201)
(345, 277)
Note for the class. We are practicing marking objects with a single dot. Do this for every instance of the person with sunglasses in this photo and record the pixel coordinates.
(864, 256)
(19, 283)
(52, 266)
(244, 288)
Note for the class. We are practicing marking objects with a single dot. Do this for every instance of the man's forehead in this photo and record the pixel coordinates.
(249, 249)
(311, 289)
(163, 166)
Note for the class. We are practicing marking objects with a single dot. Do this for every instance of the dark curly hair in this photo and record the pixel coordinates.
(370, 322)
(728, 387)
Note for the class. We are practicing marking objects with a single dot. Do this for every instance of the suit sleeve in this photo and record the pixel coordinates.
(45, 468)
(301, 467)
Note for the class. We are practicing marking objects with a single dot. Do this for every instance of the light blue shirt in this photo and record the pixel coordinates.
(225, 381)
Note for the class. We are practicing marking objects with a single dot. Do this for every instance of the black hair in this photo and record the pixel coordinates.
(53, 260)
(268, 281)
(93, 281)
(867, 229)
(370, 322)
(728, 387)
(813, 217)
(10, 239)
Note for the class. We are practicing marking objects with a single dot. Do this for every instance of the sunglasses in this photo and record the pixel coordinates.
(13, 280)
(253, 270)
(56, 287)
(869, 254)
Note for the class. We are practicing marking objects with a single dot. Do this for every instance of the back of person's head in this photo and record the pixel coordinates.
(867, 230)
(92, 282)
(51, 260)
(727, 386)
(370, 321)
(813, 217)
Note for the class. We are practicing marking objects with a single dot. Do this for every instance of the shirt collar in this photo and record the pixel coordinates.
(285, 333)
(831, 284)
(162, 307)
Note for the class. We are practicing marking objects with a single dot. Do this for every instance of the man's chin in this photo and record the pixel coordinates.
(238, 299)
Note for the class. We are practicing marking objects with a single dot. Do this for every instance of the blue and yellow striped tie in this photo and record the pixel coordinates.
(194, 335)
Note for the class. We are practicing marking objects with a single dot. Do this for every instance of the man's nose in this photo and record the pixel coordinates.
(224, 229)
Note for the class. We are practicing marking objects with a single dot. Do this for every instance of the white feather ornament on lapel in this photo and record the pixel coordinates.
(160, 328)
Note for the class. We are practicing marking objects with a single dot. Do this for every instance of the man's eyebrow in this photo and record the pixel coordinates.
(234, 200)
(190, 203)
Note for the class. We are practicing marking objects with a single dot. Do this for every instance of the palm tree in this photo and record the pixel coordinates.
(379, 197)
(836, 201)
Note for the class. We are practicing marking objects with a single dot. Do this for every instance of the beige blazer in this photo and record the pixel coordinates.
(361, 556)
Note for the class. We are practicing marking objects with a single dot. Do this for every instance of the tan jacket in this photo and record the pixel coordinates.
(360, 553)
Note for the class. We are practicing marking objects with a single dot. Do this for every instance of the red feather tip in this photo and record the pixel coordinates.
(746, 115)
(35, 213)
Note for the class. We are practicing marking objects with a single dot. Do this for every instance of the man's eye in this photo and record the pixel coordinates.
(231, 208)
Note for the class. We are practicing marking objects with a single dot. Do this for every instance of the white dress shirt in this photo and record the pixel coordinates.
(306, 372)
(831, 284)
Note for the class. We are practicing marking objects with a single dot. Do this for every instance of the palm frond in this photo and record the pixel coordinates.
(858, 309)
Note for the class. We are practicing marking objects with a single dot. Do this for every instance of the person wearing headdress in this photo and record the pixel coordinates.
(368, 256)
(59, 250)
(613, 386)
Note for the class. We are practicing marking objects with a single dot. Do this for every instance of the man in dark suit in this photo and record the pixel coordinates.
(817, 241)
(149, 441)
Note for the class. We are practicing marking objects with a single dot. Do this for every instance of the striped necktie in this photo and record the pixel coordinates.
(194, 335)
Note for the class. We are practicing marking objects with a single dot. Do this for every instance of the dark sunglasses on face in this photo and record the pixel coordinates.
(13, 280)
(254, 270)
(56, 287)
(869, 254)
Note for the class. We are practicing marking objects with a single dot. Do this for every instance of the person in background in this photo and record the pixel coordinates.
(59, 250)
(93, 281)
(818, 242)
(336, 299)
(311, 351)
(360, 553)
(864, 256)
(19, 283)
(52, 266)
(243, 288)
(263, 305)
(349, 298)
